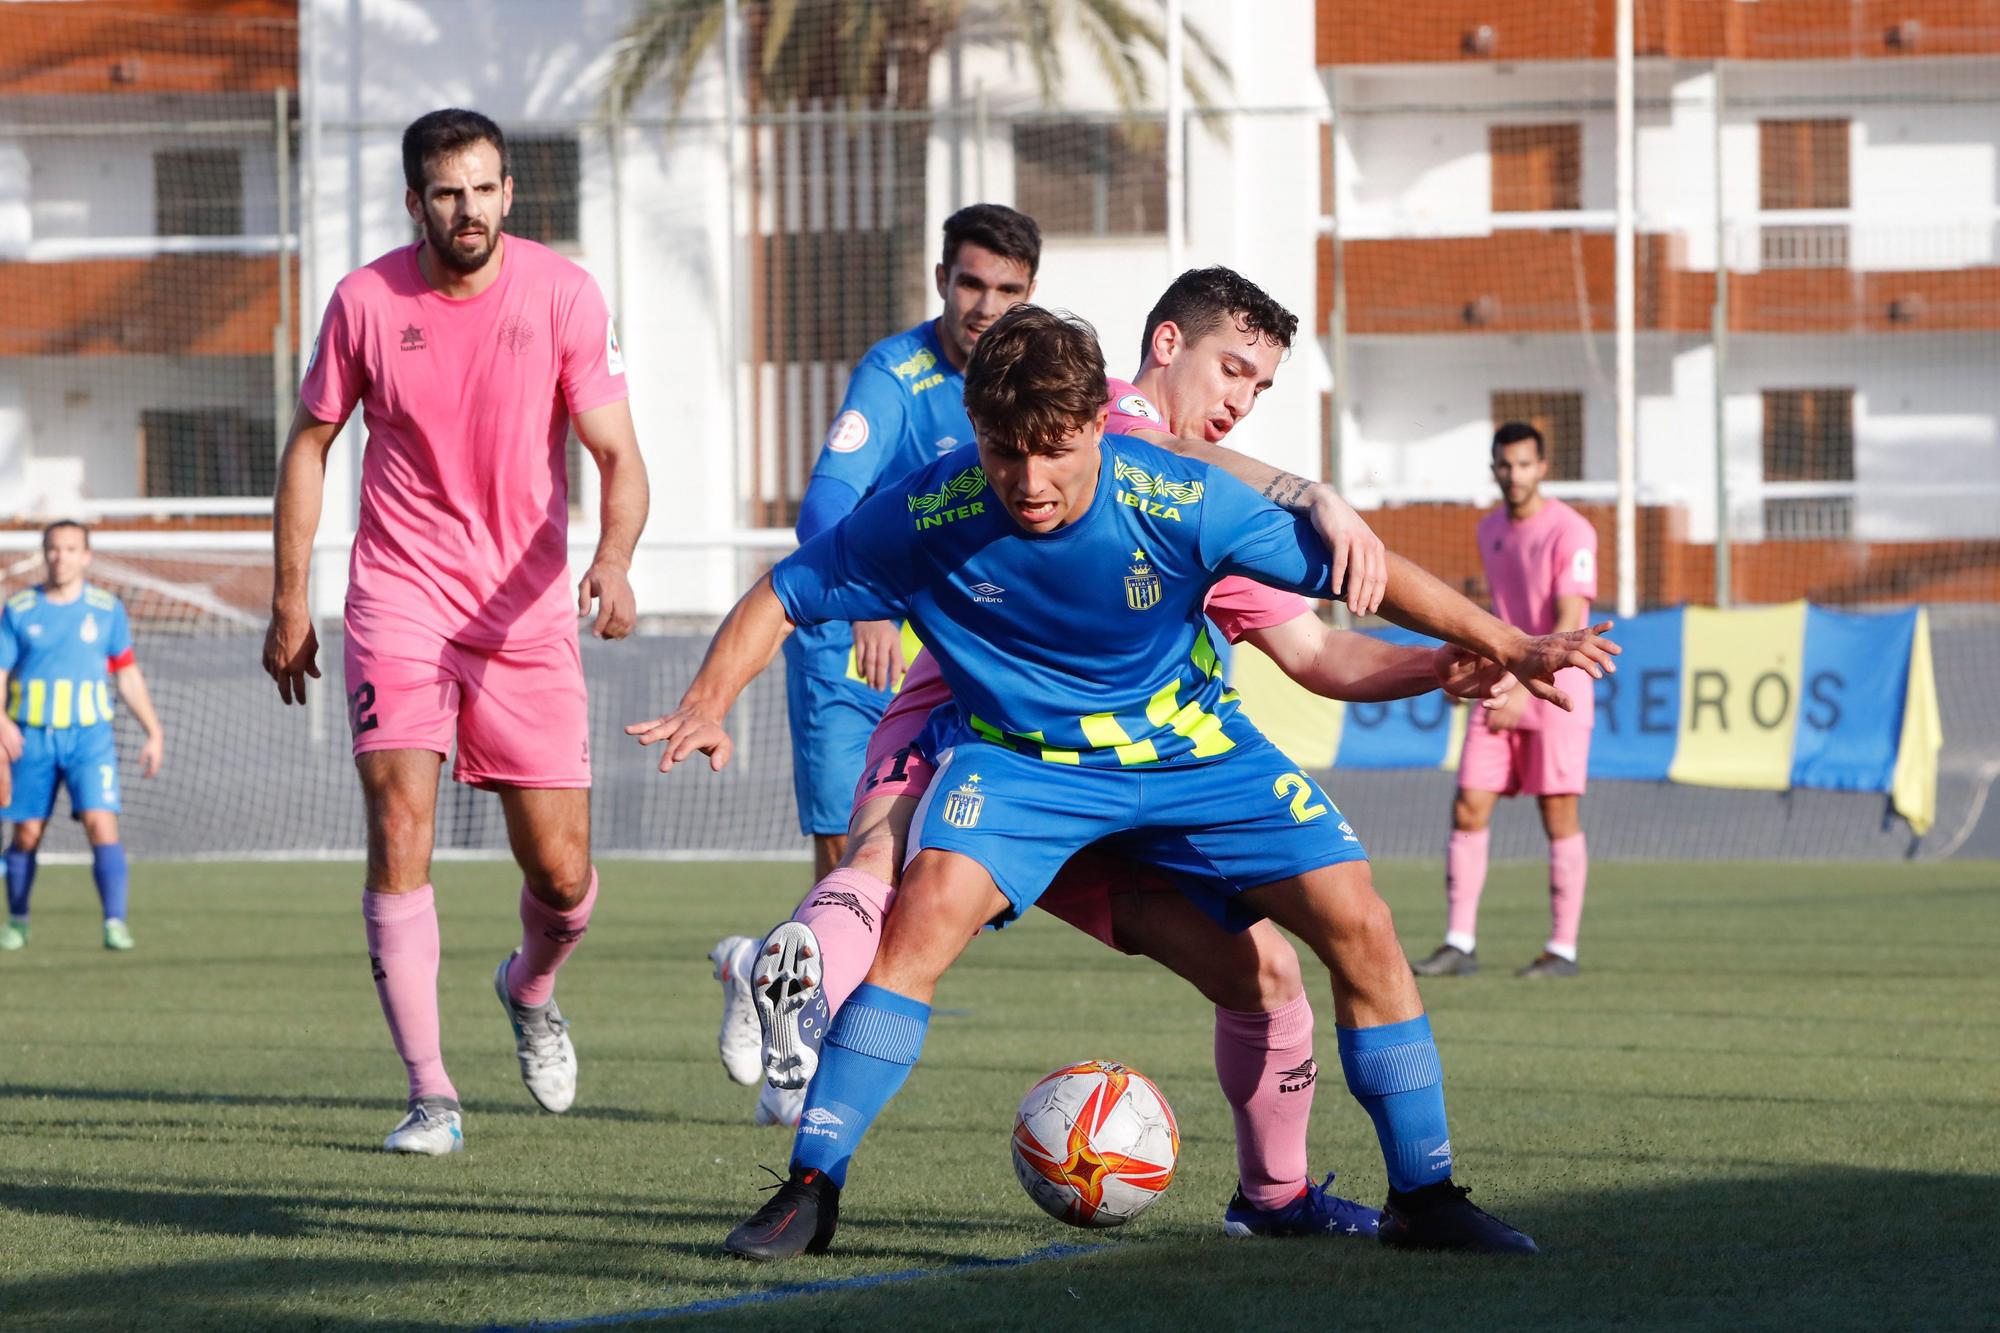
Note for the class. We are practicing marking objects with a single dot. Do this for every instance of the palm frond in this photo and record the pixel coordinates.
(667, 37)
(780, 16)
(668, 40)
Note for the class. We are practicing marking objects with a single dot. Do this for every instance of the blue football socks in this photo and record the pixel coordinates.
(20, 881)
(875, 1039)
(107, 867)
(1393, 1071)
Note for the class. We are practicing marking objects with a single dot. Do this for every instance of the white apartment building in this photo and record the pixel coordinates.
(1854, 193)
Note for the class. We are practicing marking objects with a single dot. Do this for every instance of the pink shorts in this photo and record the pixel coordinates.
(1539, 762)
(1082, 892)
(892, 767)
(520, 715)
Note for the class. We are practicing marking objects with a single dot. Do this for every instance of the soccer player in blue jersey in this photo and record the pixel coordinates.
(1058, 575)
(62, 645)
(904, 408)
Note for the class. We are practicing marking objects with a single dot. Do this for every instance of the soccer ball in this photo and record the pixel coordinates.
(1095, 1144)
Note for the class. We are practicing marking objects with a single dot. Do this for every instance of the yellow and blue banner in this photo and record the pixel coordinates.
(1765, 699)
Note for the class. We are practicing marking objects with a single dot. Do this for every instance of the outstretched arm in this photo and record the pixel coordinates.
(1341, 664)
(748, 638)
(1360, 568)
(291, 646)
(1417, 600)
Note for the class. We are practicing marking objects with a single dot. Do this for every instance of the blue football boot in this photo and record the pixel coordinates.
(1318, 1211)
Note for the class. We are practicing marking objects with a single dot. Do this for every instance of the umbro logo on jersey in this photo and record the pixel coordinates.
(413, 339)
(1299, 1079)
(986, 592)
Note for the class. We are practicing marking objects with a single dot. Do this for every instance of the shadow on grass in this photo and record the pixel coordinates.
(224, 1293)
(250, 1214)
(1824, 1249)
(311, 1101)
(1820, 1249)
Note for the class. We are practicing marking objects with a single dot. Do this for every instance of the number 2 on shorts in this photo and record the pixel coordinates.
(1299, 787)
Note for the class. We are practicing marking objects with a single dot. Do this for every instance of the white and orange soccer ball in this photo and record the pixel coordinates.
(1095, 1144)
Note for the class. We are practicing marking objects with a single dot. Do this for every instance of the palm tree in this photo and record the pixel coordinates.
(862, 53)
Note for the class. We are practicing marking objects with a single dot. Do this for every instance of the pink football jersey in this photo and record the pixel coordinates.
(464, 488)
(1528, 566)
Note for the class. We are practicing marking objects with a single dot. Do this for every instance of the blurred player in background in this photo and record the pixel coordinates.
(1541, 563)
(472, 355)
(61, 644)
(905, 406)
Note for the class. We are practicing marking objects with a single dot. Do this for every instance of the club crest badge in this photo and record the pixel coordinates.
(89, 631)
(1142, 585)
(963, 803)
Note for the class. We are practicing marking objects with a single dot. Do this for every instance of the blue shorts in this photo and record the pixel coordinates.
(84, 759)
(831, 723)
(1249, 818)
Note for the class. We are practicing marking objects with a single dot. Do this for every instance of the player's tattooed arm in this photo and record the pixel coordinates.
(1360, 560)
(1288, 490)
(748, 638)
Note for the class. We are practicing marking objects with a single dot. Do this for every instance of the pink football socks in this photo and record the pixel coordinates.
(1464, 881)
(548, 935)
(402, 933)
(1569, 866)
(1264, 1063)
(845, 911)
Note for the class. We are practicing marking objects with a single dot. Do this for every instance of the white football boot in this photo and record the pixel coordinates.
(791, 1004)
(780, 1106)
(741, 1040)
(541, 1041)
(432, 1128)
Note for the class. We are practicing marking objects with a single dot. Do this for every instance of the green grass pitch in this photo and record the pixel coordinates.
(1771, 1101)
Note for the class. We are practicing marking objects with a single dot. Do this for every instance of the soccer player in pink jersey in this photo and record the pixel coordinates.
(1541, 563)
(1212, 345)
(472, 355)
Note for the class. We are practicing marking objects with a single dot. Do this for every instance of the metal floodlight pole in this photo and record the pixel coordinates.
(281, 335)
(733, 157)
(1627, 316)
(1719, 360)
(1176, 138)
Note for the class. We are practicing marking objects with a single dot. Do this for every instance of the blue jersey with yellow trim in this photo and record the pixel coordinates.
(59, 656)
(1086, 645)
(905, 407)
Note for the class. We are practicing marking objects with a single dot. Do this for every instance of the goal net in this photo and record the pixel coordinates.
(247, 776)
